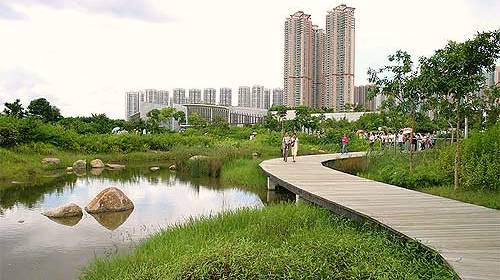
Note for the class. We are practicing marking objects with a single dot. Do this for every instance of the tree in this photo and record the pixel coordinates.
(167, 113)
(179, 116)
(42, 109)
(455, 74)
(400, 83)
(14, 109)
(280, 113)
(154, 119)
(196, 120)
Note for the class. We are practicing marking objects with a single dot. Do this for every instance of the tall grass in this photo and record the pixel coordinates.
(277, 242)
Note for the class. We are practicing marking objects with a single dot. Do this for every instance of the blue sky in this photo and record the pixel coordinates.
(84, 54)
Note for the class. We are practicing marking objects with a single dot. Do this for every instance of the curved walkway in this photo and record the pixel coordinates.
(465, 235)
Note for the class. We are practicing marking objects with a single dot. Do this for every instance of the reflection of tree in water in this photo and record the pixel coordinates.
(30, 195)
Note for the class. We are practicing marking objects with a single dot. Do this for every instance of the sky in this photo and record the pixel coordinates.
(83, 55)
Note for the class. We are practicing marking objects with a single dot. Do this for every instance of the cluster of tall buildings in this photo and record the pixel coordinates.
(256, 96)
(319, 63)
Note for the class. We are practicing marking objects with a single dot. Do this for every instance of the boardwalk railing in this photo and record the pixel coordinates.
(466, 236)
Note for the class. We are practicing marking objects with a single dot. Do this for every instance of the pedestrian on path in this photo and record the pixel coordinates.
(294, 144)
(345, 142)
(285, 144)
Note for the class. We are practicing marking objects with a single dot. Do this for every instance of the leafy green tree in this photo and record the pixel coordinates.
(454, 75)
(179, 116)
(167, 113)
(14, 109)
(280, 114)
(400, 83)
(42, 109)
(196, 120)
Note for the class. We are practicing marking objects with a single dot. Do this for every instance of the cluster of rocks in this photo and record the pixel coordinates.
(110, 200)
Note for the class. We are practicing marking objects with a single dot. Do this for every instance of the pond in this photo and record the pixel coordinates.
(33, 246)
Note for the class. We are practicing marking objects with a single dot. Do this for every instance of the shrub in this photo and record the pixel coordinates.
(480, 163)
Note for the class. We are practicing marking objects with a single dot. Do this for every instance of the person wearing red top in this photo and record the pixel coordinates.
(345, 142)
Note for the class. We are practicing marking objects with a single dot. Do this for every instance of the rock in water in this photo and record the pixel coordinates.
(172, 167)
(68, 210)
(154, 168)
(198, 157)
(69, 169)
(97, 163)
(109, 200)
(51, 161)
(115, 166)
(80, 165)
(96, 171)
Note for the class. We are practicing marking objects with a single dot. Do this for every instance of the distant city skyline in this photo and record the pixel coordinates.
(94, 51)
(257, 96)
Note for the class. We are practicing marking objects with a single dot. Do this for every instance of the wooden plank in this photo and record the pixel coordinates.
(466, 236)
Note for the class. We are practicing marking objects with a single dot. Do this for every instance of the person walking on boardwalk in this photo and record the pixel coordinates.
(285, 144)
(345, 142)
(294, 144)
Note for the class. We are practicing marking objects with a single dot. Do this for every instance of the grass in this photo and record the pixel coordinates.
(276, 242)
(490, 199)
(242, 172)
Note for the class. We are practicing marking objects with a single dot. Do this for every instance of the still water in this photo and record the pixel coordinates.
(33, 246)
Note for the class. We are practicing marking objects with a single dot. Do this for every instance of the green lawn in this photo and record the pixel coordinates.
(490, 199)
(276, 242)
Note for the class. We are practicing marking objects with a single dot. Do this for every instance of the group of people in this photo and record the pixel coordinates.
(289, 143)
(402, 139)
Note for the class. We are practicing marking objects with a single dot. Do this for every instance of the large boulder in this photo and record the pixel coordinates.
(80, 165)
(97, 163)
(113, 166)
(51, 161)
(96, 171)
(68, 210)
(109, 200)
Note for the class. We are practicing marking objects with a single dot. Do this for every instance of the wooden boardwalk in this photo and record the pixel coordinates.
(467, 236)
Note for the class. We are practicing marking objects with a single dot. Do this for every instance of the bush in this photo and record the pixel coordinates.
(480, 162)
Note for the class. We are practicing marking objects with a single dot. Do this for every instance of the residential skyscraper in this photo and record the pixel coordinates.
(257, 96)
(267, 99)
(360, 97)
(194, 96)
(318, 75)
(131, 103)
(277, 96)
(339, 57)
(244, 97)
(225, 96)
(209, 95)
(155, 96)
(179, 96)
(298, 60)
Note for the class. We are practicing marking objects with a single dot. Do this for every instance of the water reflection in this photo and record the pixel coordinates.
(112, 220)
(67, 221)
(31, 249)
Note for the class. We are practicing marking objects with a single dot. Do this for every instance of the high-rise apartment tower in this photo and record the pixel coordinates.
(298, 60)
(339, 57)
(225, 96)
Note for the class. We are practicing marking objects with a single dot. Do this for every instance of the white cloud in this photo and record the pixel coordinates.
(89, 53)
